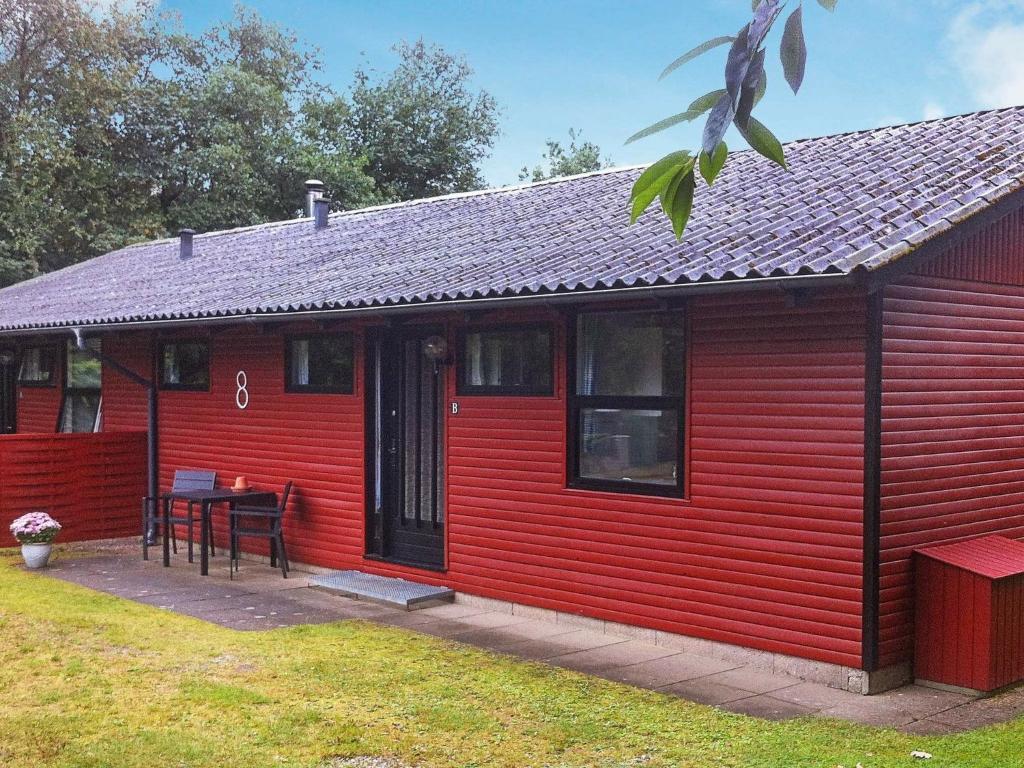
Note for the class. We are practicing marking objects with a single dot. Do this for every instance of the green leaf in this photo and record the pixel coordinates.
(699, 106)
(677, 200)
(661, 125)
(763, 141)
(793, 50)
(654, 180)
(702, 104)
(693, 53)
(762, 86)
(711, 165)
(828, 5)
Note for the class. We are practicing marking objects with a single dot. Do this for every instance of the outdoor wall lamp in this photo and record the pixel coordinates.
(435, 348)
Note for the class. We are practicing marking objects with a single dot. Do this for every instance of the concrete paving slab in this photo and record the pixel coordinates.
(454, 611)
(766, 707)
(500, 638)
(921, 702)
(658, 673)
(601, 661)
(753, 680)
(704, 691)
(814, 695)
(546, 648)
(982, 712)
(868, 711)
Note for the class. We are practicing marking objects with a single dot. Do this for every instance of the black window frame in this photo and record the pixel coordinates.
(178, 387)
(69, 391)
(311, 389)
(52, 353)
(576, 403)
(464, 389)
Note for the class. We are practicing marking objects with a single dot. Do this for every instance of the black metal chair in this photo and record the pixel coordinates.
(261, 523)
(184, 480)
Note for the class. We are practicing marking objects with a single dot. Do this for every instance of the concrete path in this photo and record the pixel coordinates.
(260, 599)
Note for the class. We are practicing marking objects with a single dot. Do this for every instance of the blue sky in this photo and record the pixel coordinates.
(593, 64)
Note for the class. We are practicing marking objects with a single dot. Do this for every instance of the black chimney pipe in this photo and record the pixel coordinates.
(321, 208)
(186, 243)
(314, 191)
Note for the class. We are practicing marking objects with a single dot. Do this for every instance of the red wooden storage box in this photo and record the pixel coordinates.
(970, 614)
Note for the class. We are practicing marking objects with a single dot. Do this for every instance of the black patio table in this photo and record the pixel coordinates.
(206, 499)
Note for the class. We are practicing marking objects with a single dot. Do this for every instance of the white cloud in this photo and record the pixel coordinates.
(933, 111)
(987, 47)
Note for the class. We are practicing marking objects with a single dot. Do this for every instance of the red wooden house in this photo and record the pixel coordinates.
(737, 439)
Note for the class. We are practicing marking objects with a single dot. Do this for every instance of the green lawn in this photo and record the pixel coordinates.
(87, 679)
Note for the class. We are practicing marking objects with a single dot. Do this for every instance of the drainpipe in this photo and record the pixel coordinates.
(151, 432)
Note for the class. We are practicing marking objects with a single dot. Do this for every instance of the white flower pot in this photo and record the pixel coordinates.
(36, 555)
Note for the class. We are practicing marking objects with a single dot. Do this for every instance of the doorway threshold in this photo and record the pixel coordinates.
(408, 595)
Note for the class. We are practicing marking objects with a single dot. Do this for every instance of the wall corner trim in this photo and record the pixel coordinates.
(872, 481)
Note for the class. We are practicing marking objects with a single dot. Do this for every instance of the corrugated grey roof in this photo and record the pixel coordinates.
(850, 202)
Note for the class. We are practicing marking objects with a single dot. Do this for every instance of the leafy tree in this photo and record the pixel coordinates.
(579, 157)
(63, 77)
(422, 128)
(672, 179)
(118, 126)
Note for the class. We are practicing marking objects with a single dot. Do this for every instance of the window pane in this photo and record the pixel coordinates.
(640, 446)
(80, 412)
(187, 364)
(322, 363)
(37, 365)
(630, 354)
(515, 360)
(84, 370)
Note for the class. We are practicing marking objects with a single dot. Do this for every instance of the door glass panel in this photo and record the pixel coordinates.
(410, 428)
(421, 428)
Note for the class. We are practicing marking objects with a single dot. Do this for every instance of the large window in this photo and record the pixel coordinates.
(506, 361)
(185, 365)
(37, 367)
(81, 406)
(626, 402)
(320, 364)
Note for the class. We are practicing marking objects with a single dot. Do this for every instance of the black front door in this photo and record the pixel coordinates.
(8, 392)
(407, 396)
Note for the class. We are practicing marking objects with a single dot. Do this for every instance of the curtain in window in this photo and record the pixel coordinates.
(300, 362)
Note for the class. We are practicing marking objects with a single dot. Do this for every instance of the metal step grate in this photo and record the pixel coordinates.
(382, 589)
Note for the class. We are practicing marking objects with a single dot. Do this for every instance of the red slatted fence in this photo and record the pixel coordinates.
(91, 483)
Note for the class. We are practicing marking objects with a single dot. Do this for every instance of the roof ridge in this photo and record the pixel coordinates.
(512, 188)
(909, 124)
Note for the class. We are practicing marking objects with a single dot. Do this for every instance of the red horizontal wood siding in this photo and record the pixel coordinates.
(91, 483)
(764, 552)
(315, 440)
(953, 412)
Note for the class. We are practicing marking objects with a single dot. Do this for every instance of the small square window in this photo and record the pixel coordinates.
(185, 365)
(507, 361)
(37, 367)
(320, 364)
